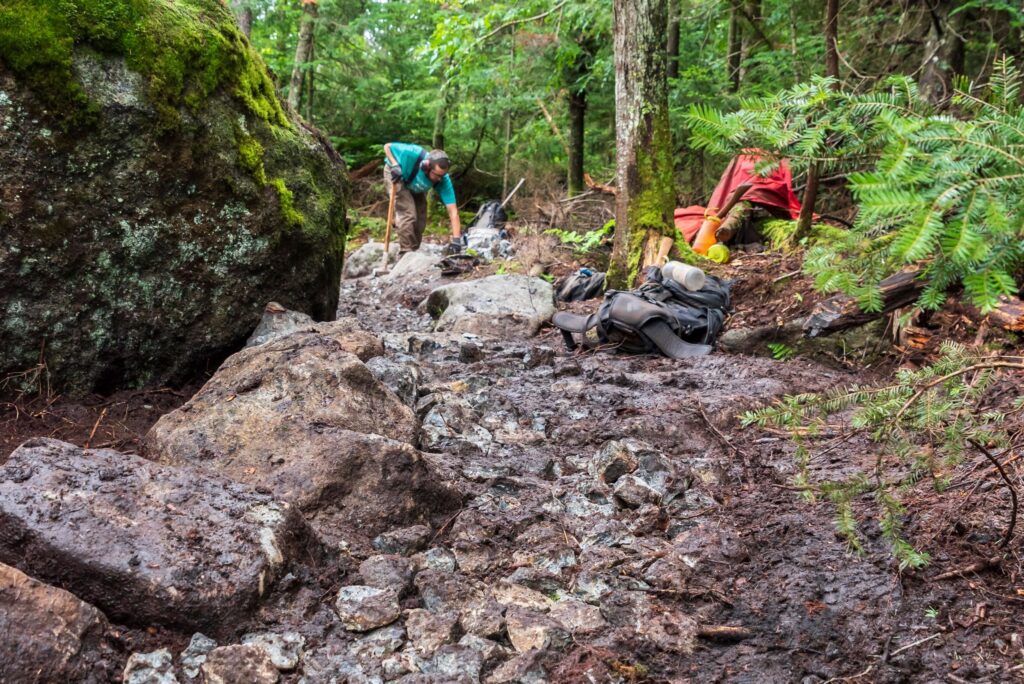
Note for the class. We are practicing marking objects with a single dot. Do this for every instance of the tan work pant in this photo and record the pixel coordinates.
(410, 214)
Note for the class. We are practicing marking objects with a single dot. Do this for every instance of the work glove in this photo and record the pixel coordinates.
(454, 247)
(396, 174)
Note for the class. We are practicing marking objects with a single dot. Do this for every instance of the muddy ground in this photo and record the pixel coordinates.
(756, 555)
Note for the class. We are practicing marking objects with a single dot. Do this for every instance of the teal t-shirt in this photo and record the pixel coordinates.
(406, 154)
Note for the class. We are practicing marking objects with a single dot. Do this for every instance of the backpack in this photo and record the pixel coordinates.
(660, 316)
(580, 285)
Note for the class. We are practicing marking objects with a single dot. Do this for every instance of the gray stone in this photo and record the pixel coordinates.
(362, 608)
(388, 572)
(525, 668)
(369, 257)
(156, 667)
(455, 662)
(490, 651)
(500, 306)
(482, 617)
(634, 492)
(429, 631)
(415, 265)
(379, 643)
(436, 558)
(578, 617)
(284, 649)
(401, 378)
(239, 664)
(509, 594)
(616, 458)
(168, 203)
(405, 541)
(193, 657)
(278, 321)
(328, 666)
(46, 629)
(146, 543)
(534, 630)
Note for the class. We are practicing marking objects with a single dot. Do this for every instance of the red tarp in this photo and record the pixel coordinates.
(774, 190)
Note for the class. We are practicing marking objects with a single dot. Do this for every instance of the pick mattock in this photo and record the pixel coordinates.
(391, 220)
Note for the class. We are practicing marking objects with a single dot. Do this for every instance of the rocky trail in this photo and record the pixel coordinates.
(376, 500)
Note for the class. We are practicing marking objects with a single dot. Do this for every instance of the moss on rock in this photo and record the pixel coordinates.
(172, 201)
(186, 50)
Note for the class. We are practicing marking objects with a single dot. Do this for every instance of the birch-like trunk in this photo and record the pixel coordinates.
(243, 15)
(645, 197)
(302, 52)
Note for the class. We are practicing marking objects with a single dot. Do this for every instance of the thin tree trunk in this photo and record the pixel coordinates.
(831, 29)
(673, 39)
(793, 48)
(508, 123)
(754, 38)
(577, 120)
(310, 86)
(302, 51)
(243, 15)
(943, 52)
(803, 224)
(645, 194)
(735, 43)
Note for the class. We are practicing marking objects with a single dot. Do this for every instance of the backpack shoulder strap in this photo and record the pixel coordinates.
(415, 168)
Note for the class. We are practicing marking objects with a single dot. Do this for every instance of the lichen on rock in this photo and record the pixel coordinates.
(154, 193)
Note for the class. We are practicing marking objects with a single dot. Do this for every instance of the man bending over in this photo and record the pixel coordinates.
(414, 171)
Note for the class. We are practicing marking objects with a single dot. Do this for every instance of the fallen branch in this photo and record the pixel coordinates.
(979, 566)
(726, 633)
(95, 426)
(1009, 485)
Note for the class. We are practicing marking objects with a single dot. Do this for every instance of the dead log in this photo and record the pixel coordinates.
(366, 169)
(1008, 315)
(842, 311)
(733, 221)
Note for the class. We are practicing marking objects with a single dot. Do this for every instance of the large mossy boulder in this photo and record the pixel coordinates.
(154, 194)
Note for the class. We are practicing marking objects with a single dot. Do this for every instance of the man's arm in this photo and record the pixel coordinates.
(389, 155)
(453, 216)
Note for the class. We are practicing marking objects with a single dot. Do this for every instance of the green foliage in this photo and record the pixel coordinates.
(781, 352)
(584, 243)
(941, 193)
(919, 426)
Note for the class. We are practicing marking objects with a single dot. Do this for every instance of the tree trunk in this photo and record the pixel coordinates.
(577, 119)
(803, 225)
(507, 164)
(310, 85)
(735, 42)
(673, 39)
(243, 15)
(444, 104)
(754, 38)
(645, 194)
(302, 52)
(831, 35)
(943, 51)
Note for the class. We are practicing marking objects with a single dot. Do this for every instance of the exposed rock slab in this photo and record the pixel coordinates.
(144, 542)
(46, 629)
(305, 418)
(501, 306)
